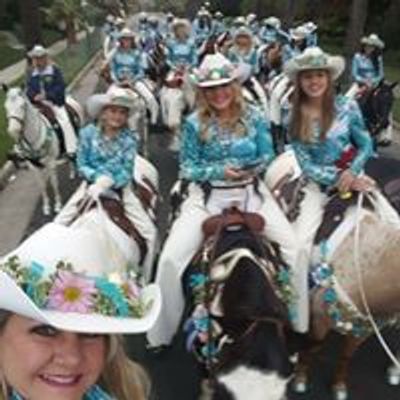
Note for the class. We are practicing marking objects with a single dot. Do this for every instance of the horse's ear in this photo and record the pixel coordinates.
(4, 87)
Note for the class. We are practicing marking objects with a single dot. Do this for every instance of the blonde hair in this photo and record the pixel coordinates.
(300, 127)
(207, 113)
(122, 378)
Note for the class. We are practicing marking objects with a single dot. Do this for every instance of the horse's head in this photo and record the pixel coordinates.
(252, 317)
(15, 106)
(377, 106)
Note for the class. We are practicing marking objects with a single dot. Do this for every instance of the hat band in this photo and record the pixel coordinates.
(215, 74)
(66, 291)
(313, 61)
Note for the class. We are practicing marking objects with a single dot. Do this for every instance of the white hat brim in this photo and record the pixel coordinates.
(217, 82)
(14, 299)
(97, 102)
(335, 66)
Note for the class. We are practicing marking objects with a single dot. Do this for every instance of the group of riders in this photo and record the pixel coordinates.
(226, 144)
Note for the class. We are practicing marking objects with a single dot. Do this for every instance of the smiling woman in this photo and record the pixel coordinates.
(64, 365)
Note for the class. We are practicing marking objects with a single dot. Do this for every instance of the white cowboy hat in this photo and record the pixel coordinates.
(38, 51)
(299, 33)
(373, 40)
(243, 31)
(110, 18)
(115, 96)
(181, 22)
(215, 70)
(314, 58)
(311, 26)
(240, 20)
(274, 22)
(126, 33)
(119, 21)
(64, 277)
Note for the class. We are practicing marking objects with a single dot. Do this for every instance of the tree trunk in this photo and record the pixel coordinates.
(290, 13)
(355, 29)
(70, 31)
(30, 20)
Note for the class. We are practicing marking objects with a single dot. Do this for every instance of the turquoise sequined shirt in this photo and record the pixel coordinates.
(128, 65)
(318, 159)
(202, 161)
(363, 70)
(181, 53)
(250, 58)
(98, 155)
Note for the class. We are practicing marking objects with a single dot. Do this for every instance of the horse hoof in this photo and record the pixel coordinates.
(393, 376)
(300, 386)
(340, 393)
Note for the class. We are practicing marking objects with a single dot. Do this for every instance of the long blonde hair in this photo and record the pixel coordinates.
(300, 127)
(206, 113)
(122, 378)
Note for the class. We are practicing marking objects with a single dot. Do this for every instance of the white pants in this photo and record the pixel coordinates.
(70, 138)
(149, 98)
(186, 238)
(133, 210)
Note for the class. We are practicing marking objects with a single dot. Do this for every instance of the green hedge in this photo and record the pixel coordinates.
(71, 61)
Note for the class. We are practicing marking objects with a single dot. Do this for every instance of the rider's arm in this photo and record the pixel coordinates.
(323, 174)
(32, 87)
(83, 155)
(265, 149)
(355, 64)
(360, 137)
(56, 93)
(192, 165)
(380, 74)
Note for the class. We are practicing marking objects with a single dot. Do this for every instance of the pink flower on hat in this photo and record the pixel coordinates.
(71, 293)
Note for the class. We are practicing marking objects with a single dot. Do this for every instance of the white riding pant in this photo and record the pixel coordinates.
(149, 98)
(186, 238)
(134, 211)
(70, 138)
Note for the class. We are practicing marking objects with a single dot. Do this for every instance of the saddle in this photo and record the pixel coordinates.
(230, 218)
(50, 116)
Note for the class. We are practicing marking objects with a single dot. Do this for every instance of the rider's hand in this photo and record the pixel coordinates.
(94, 191)
(234, 174)
(39, 97)
(345, 181)
(363, 184)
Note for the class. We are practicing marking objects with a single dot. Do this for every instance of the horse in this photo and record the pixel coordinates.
(347, 261)
(111, 216)
(376, 106)
(37, 142)
(236, 327)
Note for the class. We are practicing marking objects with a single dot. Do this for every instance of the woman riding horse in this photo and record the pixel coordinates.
(106, 157)
(46, 89)
(225, 144)
(330, 140)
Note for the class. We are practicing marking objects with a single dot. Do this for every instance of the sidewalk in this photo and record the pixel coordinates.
(13, 72)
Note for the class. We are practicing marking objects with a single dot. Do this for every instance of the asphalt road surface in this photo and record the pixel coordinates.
(175, 375)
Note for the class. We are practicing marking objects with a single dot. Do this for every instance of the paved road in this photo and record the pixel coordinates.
(174, 374)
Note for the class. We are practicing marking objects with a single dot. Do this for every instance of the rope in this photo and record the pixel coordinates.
(356, 260)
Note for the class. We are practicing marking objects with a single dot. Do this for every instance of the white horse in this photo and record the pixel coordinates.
(139, 207)
(176, 95)
(36, 142)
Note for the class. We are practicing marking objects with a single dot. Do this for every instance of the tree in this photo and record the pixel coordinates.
(355, 29)
(30, 20)
(71, 12)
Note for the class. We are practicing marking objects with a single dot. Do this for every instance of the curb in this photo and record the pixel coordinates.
(9, 168)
